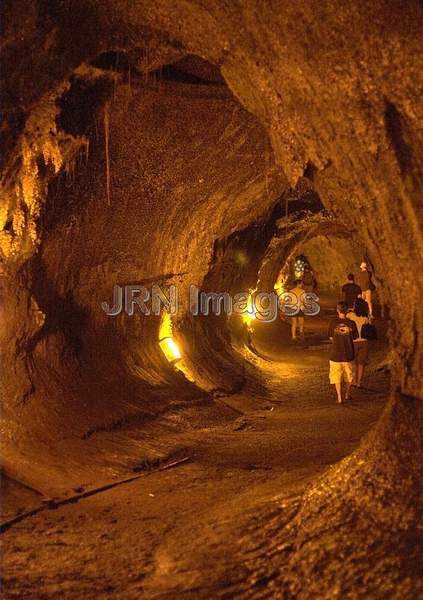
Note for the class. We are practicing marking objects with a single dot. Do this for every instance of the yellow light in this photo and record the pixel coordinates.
(166, 342)
(248, 318)
(165, 326)
(241, 258)
(250, 315)
(280, 285)
(279, 288)
(170, 349)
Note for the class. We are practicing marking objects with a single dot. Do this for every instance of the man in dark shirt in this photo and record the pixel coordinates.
(351, 291)
(342, 332)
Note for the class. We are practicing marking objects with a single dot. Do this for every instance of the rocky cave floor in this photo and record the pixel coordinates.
(209, 527)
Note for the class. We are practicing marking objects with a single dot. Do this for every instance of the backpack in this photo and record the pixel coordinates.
(368, 332)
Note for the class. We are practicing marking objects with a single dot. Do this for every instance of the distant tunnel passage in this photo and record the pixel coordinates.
(165, 142)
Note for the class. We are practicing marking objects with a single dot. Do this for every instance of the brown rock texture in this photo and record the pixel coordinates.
(139, 138)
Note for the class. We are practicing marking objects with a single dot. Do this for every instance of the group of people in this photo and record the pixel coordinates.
(349, 351)
(348, 332)
(351, 290)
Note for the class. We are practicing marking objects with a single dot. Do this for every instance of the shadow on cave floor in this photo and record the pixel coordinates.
(127, 541)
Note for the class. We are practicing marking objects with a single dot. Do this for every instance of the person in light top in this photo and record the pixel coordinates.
(367, 286)
(360, 316)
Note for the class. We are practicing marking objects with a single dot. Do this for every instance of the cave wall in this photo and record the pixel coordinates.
(344, 110)
(332, 259)
(336, 87)
(175, 184)
(301, 231)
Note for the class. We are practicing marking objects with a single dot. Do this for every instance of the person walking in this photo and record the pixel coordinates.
(309, 280)
(296, 303)
(360, 316)
(367, 286)
(350, 291)
(342, 333)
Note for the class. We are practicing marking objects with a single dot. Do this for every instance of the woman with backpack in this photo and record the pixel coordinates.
(360, 316)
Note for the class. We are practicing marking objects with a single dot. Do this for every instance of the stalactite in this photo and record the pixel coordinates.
(106, 146)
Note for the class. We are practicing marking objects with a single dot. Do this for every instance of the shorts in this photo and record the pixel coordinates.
(361, 352)
(339, 370)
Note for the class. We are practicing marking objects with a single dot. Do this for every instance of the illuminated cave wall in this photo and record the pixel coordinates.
(171, 166)
(344, 111)
(332, 259)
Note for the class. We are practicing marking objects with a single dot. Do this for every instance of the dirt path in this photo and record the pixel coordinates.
(204, 529)
(177, 530)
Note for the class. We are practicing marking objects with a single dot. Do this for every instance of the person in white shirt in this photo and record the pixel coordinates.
(360, 316)
(367, 286)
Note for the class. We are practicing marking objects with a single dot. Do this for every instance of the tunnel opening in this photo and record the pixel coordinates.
(321, 257)
(89, 244)
(190, 70)
(177, 147)
(332, 253)
(113, 60)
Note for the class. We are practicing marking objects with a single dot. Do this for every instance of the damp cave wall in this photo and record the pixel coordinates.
(332, 259)
(343, 109)
(187, 165)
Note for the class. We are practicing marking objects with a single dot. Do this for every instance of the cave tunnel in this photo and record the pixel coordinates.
(163, 166)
